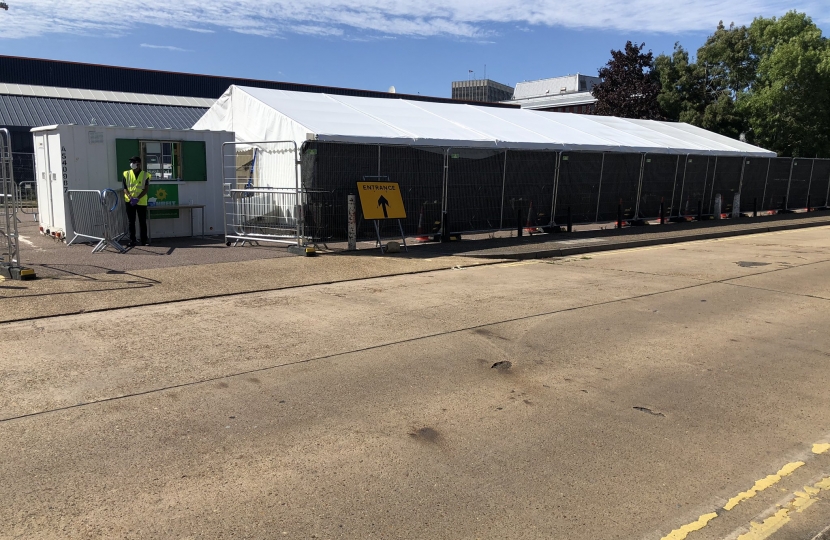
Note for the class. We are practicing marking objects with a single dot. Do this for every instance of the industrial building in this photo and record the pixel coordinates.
(481, 90)
(571, 93)
(36, 92)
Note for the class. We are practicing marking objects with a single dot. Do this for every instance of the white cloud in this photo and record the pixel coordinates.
(166, 47)
(417, 18)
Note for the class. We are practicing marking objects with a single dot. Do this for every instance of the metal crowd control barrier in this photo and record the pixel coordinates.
(10, 248)
(262, 215)
(256, 210)
(97, 216)
(27, 197)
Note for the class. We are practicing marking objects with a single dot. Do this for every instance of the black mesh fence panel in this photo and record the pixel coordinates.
(820, 185)
(528, 189)
(726, 182)
(659, 172)
(800, 183)
(474, 186)
(692, 185)
(620, 179)
(331, 172)
(579, 178)
(754, 182)
(420, 173)
(485, 192)
(779, 179)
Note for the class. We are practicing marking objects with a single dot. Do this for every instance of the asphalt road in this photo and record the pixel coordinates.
(666, 392)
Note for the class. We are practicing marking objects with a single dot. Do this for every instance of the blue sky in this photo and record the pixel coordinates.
(419, 46)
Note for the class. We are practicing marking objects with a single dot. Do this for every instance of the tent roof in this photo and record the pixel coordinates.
(353, 119)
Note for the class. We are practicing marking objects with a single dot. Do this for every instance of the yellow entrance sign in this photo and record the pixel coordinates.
(381, 200)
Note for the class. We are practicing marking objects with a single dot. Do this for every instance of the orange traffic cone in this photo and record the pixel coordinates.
(422, 237)
(529, 228)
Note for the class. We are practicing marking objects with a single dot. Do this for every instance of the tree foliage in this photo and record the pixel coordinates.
(628, 88)
(768, 82)
(788, 106)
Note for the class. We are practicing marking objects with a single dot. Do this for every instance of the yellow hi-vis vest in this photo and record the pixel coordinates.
(135, 185)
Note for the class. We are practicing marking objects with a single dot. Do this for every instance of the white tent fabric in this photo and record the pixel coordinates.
(258, 114)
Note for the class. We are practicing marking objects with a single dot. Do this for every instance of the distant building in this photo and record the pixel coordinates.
(571, 93)
(483, 90)
(36, 92)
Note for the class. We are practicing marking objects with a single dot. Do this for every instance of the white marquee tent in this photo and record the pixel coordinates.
(257, 114)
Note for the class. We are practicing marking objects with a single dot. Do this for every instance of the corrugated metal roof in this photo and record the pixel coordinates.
(29, 111)
(36, 71)
(102, 95)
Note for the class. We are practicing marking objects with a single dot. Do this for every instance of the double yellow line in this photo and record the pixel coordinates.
(759, 531)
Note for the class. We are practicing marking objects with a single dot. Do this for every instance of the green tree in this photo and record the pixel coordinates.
(728, 60)
(682, 96)
(788, 103)
(628, 89)
(703, 93)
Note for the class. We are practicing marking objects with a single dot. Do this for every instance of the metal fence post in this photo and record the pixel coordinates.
(810, 182)
(599, 187)
(683, 184)
(352, 223)
(674, 184)
(503, 183)
(445, 234)
(766, 181)
(519, 221)
(827, 195)
(640, 186)
(712, 190)
(740, 187)
(789, 183)
(555, 189)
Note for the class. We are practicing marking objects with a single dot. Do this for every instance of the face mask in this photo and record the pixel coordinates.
(133, 166)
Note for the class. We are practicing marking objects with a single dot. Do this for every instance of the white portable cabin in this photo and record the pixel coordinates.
(186, 168)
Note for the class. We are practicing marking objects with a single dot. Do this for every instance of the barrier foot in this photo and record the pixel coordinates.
(17, 273)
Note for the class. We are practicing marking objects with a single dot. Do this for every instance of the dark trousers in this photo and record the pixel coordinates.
(141, 211)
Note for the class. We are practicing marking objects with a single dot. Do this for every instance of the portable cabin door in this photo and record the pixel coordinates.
(54, 180)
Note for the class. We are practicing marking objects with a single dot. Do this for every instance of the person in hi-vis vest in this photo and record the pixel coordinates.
(136, 186)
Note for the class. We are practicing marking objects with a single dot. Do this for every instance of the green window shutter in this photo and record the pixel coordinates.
(194, 161)
(124, 150)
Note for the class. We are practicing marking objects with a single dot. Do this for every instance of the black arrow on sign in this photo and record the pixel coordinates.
(384, 203)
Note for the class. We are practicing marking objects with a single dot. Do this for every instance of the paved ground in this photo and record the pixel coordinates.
(648, 390)
(73, 280)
